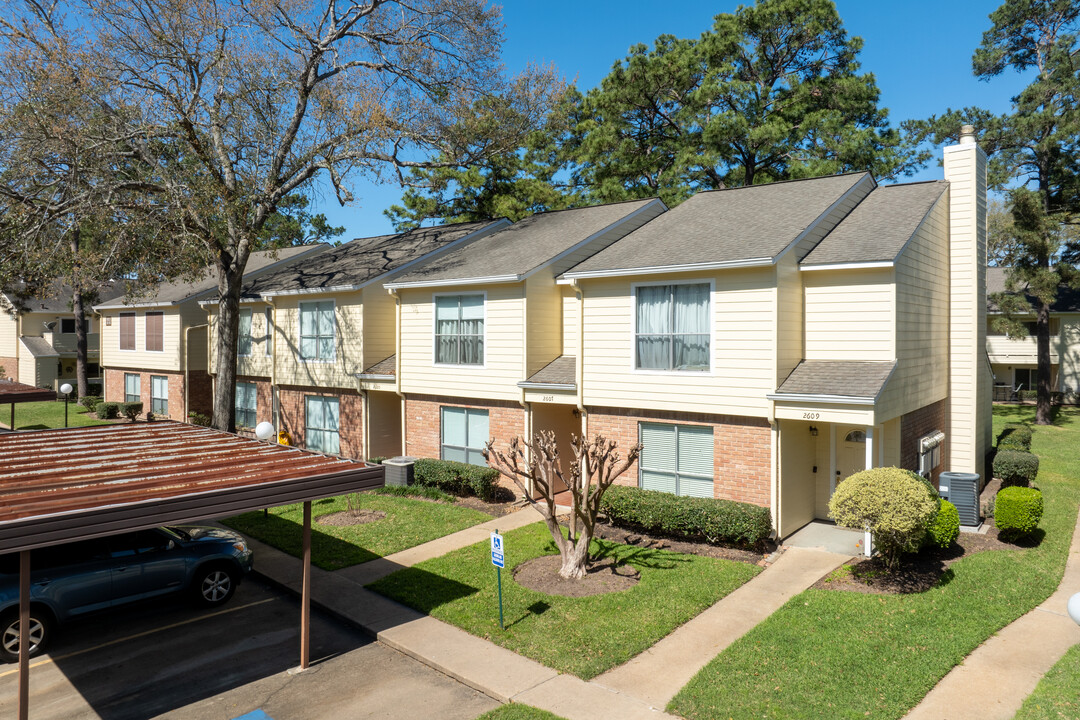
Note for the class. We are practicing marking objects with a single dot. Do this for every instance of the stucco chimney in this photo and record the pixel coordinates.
(970, 383)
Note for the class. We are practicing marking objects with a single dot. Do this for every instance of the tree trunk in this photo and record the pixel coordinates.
(230, 280)
(80, 319)
(575, 558)
(1042, 337)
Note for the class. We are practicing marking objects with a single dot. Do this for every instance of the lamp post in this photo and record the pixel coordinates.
(66, 389)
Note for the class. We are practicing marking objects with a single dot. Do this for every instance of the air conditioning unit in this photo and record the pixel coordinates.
(399, 470)
(962, 490)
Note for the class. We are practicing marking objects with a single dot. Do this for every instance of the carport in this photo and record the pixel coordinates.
(12, 392)
(57, 486)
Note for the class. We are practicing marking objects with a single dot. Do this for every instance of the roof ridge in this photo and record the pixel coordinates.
(785, 182)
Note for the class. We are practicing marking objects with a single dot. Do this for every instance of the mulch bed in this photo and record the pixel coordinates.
(345, 518)
(689, 547)
(503, 504)
(603, 576)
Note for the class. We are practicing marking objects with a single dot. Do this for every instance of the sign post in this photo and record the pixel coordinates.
(497, 559)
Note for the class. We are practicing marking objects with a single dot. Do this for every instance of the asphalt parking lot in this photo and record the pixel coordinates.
(172, 660)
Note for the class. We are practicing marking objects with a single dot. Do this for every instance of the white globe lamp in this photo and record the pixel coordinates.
(264, 431)
(1074, 608)
(66, 389)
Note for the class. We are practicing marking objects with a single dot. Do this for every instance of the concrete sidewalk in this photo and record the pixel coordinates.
(994, 680)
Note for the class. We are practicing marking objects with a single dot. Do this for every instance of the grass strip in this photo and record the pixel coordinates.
(409, 522)
(582, 636)
(849, 655)
(48, 414)
(516, 711)
(1057, 696)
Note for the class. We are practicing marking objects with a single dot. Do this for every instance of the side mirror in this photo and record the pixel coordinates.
(171, 545)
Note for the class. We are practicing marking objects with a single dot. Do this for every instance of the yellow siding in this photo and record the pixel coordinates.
(503, 352)
(742, 348)
(170, 358)
(543, 313)
(789, 318)
(849, 314)
(569, 320)
(28, 370)
(380, 328)
(349, 343)
(258, 363)
(8, 334)
(384, 432)
(1070, 354)
(922, 319)
(798, 481)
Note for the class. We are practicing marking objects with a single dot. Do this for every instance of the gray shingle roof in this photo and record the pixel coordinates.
(524, 246)
(387, 366)
(57, 298)
(1068, 299)
(359, 261)
(837, 377)
(879, 227)
(560, 371)
(39, 347)
(722, 226)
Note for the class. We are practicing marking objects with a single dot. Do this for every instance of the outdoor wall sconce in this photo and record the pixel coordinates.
(813, 430)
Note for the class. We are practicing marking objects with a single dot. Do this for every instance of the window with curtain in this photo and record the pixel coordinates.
(159, 394)
(131, 388)
(245, 404)
(127, 331)
(677, 459)
(321, 425)
(155, 332)
(317, 330)
(459, 329)
(464, 433)
(672, 327)
(243, 336)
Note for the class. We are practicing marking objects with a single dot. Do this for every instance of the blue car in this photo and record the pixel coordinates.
(81, 577)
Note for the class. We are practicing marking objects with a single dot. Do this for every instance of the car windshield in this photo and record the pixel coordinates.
(180, 533)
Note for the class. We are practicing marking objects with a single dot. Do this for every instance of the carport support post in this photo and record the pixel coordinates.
(24, 634)
(305, 591)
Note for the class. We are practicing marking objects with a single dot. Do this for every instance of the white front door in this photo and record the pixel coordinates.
(850, 453)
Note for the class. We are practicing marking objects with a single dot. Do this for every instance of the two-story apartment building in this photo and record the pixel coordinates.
(154, 350)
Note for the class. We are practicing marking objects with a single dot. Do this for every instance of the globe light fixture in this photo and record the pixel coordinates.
(264, 431)
(1074, 608)
(66, 389)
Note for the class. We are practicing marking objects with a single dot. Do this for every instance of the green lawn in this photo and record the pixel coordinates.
(583, 636)
(847, 655)
(1057, 696)
(409, 522)
(515, 711)
(47, 414)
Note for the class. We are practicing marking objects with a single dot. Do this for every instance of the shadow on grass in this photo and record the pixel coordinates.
(536, 609)
(327, 551)
(1032, 540)
(422, 590)
(39, 426)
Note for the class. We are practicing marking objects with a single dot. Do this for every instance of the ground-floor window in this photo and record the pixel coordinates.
(464, 432)
(131, 387)
(321, 416)
(676, 459)
(245, 404)
(159, 394)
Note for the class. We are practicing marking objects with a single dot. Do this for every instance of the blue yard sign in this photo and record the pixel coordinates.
(498, 561)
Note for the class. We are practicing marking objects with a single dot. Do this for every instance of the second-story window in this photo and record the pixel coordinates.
(127, 331)
(459, 329)
(243, 336)
(155, 335)
(671, 330)
(67, 326)
(317, 330)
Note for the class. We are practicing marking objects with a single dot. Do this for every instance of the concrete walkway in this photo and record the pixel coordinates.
(994, 680)
(636, 690)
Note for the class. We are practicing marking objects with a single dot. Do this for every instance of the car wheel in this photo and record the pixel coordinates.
(214, 584)
(40, 633)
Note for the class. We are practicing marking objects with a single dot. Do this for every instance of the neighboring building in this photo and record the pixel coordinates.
(1014, 360)
(154, 349)
(37, 337)
(318, 340)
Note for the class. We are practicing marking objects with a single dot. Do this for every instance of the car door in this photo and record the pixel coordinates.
(75, 578)
(145, 563)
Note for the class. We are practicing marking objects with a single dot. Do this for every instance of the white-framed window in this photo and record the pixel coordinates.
(245, 404)
(317, 330)
(131, 387)
(159, 394)
(243, 334)
(459, 329)
(269, 350)
(930, 452)
(671, 327)
(321, 417)
(676, 458)
(463, 433)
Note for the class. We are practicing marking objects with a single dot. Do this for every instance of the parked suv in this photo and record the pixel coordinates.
(70, 580)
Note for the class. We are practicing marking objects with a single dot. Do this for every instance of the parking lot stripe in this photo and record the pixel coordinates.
(48, 660)
(254, 715)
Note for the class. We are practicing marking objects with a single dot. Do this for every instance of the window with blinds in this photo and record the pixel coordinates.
(464, 433)
(245, 404)
(127, 331)
(677, 459)
(321, 417)
(317, 330)
(243, 336)
(155, 335)
(132, 391)
(159, 394)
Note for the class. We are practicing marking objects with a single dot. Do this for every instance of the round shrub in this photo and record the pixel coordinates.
(945, 528)
(90, 402)
(896, 505)
(1015, 467)
(1017, 511)
(108, 410)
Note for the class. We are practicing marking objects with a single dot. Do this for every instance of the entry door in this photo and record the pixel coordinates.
(850, 453)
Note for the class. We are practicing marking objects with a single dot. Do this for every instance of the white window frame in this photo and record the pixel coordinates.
(300, 329)
(138, 387)
(239, 332)
(155, 398)
(678, 475)
(435, 326)
(712, 329)
(255, 407)
(930, 452)
(466, 448)
(308, 428)
(269, 315)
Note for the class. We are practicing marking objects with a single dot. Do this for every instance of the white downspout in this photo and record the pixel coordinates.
(397, 368)
(579, 369)
(271, 332)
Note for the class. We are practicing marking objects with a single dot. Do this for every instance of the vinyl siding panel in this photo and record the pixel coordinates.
(569, 320)
(171, 356)
(789, 318)
(543, 313)
(741, 348)
(504, 346)
(849, 314)
(258, 363)
(28, 368)
(1070, 353)
(798, 480)
(348, 343)
(8, 333)
(380, 325)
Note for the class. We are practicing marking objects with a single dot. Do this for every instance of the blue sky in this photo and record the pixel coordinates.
(919, 51)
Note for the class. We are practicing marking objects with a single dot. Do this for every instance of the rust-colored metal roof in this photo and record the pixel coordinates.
(13, 392)
(62, 485)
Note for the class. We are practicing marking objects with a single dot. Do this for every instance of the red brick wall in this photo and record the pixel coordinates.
(200, 398)
(11, 367)
(351, 414)
(741, 451)
(916, 424)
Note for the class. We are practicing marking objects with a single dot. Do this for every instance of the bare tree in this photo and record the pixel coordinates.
(536, 467)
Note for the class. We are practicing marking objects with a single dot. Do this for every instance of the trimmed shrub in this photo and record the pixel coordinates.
(377, 460)
(108, 410)
(1015, 467)
(945, 528)
(418, 491)
(131, 410)
(90, 402)
(717, 521)
(1029, 395)
(895, 504)
(198, 418)
(1015, 436)
(456, 478)
(1017, 511)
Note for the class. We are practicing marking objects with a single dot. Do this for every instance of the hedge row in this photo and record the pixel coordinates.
(456, 478)
(1017, 511)
(717, 521)
(1015, 467)
(1015, 436)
